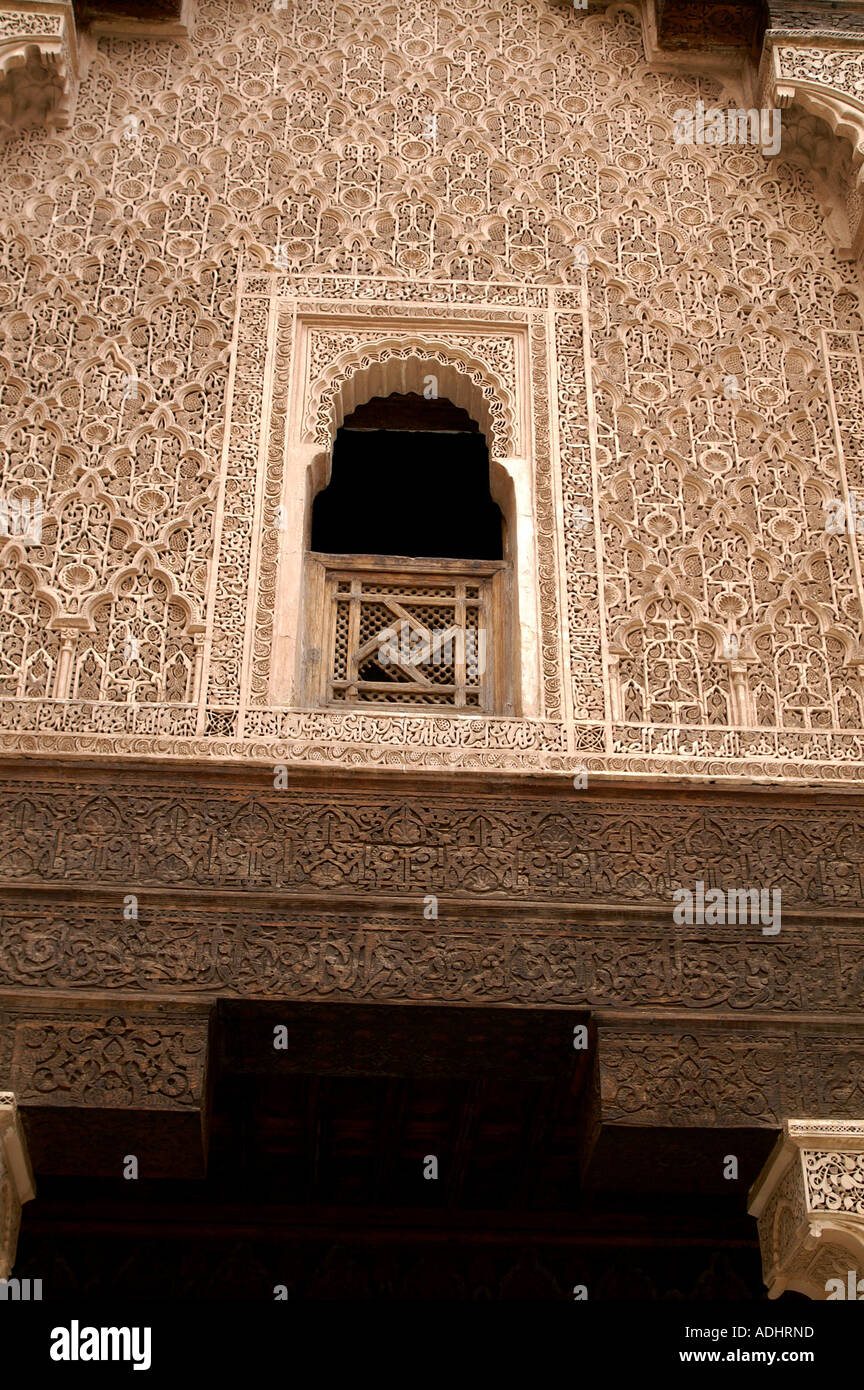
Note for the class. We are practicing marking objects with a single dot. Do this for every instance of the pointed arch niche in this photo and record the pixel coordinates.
(409, 366)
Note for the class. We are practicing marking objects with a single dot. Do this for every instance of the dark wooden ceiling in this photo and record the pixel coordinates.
(86, 11)
(705, 24)
(316, 1168)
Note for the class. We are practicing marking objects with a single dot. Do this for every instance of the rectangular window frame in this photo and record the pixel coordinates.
(490, 577)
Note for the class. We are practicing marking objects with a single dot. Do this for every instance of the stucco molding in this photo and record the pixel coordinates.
(809, 1205)
(16, 1179)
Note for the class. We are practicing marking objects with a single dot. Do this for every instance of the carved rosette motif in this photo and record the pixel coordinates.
(809, 1202)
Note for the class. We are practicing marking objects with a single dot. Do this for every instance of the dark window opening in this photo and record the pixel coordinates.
(410, 478)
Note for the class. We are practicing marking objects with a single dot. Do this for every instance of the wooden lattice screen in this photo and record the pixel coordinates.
(403, 632)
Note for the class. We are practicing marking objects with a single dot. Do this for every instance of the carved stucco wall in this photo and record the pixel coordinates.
(420, 181)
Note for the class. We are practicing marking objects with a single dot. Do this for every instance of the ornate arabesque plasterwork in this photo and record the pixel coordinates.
(492, 360)
(433, 158)
(487, 363)
(809, 1202)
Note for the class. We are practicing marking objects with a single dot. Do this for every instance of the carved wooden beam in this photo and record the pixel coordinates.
(100, 1085)
(153, 12)
(131, 19)
(708, 24)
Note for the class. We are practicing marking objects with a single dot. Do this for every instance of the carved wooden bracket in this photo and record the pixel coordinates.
(38, 63)
(718, 1073)
(98, 1084)
(16, 1179)
(809, 1203)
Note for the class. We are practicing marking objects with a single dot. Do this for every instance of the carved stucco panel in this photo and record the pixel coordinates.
(363, 156)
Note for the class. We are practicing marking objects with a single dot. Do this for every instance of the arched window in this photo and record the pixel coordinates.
(407, 570)
(399, 466)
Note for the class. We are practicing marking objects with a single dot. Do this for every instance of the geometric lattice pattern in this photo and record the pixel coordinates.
(417, 641)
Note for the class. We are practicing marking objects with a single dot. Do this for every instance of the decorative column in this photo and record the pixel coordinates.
(16, 1180)
(809, 1203)
(63, 673)
(739, 689)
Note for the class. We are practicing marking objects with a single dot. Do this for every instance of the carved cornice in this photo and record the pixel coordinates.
(711, 25)
(815, 20)
(304, 739)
